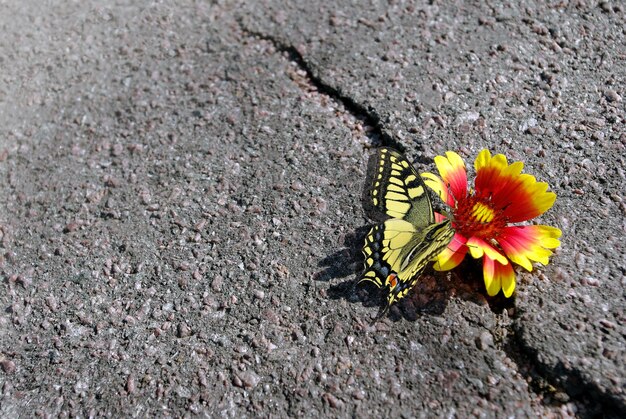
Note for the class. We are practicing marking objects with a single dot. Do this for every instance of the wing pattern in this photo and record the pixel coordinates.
(396, 190)
(399, 248)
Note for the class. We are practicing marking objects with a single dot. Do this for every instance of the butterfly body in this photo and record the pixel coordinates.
(399, 248)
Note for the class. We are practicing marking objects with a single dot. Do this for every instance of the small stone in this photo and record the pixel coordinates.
(358, 395)
(8, 366)
(468, 117)
(145, 197)
(332, 401)
(130, 384)
(111, 181)
(529, 123)
(24, 281)
(248, 379)
(237, 382)
(117, 150)
(580, 260)
(607, 323)
(217, 283)
(590, 281)
(561, 397)
(182, 331)
(606, 6)
(484, 340)
(349, 340)
(612, 96)
(70, 227)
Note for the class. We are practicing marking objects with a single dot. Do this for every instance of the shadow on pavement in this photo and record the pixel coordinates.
(429, 296)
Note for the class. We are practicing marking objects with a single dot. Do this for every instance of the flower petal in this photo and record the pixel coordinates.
(490, 168)
(452, 255)
(492, 282)
(525, 199)
(452, 171)
(483, 159)
(525, 244)
(478, 247)
(498, 277)
(435, 183)
(520, 196)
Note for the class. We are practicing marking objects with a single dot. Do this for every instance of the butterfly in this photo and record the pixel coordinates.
(399, 248)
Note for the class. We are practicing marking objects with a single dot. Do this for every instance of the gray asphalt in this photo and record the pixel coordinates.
(181, 220)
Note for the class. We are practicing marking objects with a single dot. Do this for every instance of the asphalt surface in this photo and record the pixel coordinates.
(180, 220)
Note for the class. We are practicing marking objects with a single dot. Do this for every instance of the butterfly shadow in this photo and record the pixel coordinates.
(430, 296)
(345, 262)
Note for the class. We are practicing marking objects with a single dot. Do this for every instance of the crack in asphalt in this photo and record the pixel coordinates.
(543, 379)
(357, 110)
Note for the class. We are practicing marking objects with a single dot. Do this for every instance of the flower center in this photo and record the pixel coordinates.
(475, 216)
(482, 213)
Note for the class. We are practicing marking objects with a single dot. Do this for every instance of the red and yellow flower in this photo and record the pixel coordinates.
(486, 217)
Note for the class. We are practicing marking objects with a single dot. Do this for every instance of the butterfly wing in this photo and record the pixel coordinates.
(396, 252)
(398, 249)
(394, 189)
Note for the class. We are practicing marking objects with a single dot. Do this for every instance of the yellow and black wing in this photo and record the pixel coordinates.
(396, 252)
(394, 189)
(398, 249)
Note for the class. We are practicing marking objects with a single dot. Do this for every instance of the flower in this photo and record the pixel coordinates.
(485, 217)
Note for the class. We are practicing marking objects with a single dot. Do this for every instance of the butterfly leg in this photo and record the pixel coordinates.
(382, 313)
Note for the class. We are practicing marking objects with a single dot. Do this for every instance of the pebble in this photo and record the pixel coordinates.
(246, 379)
(612, 96)
(130, 384)
(580, 260)
(332, 401)
(468, 117)
(484, 340)
(70, 227)
(217, 283)
(117, 149)
(237, 382)
(561, 397)
(349, 340)
(529, 123)
(592, 282)
(607, 323)
(358, 395)
(182, 330)
(8, 366)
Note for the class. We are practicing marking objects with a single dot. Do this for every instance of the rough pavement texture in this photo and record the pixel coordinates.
(180, 222)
